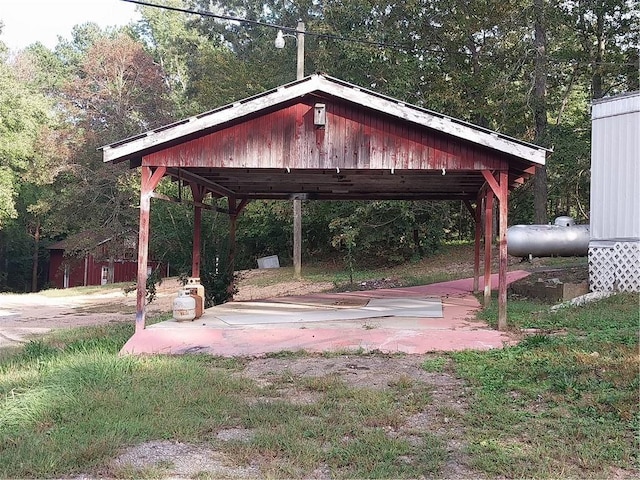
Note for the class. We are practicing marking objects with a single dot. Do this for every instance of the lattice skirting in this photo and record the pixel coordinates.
(615, 267)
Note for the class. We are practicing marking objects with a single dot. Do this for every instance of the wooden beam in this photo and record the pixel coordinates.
(476, 243)
(502, 235)
(243, 203)
(297, 238)
(491, 181)
(204, 206)
(470, 208)
(194, 178)
(233, 216)
(488, 234)
(198, 192)
(148, 182)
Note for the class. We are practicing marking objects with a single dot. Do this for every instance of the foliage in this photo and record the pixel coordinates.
(478, 61)
(388, 232)
(153, 281)
(264, 228)
(23, 113)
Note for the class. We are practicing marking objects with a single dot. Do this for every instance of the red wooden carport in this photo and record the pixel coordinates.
(320, 138)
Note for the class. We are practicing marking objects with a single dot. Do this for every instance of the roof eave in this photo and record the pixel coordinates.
(155, 139)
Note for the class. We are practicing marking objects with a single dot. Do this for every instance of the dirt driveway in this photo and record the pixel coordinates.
(24, 315)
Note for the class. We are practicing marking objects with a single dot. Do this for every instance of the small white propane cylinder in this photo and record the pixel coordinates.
(184, 306)
(196, 288)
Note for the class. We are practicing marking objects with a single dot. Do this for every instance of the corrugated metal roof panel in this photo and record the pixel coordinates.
(201, 124)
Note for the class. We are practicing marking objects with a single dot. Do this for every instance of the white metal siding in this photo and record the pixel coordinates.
(615, 168)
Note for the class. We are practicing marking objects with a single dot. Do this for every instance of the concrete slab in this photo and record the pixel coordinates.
(254, 313)
(455, 330)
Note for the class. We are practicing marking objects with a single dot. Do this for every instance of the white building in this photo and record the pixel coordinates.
(614, 247)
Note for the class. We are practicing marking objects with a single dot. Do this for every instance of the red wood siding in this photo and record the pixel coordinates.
(123, 270)
(354, 138)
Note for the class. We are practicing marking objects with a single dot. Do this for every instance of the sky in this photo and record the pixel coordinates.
(29, 21)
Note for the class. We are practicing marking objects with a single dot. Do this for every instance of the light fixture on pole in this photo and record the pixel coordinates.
(280, 39)
(299, 36)
(297, 203)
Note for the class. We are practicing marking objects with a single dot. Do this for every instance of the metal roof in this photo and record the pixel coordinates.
(153, 140)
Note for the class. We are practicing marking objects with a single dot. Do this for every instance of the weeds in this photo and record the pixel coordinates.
(68, 404)
(562, 404)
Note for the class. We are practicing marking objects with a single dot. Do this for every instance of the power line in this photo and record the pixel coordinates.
(281, 27)
(329, 36)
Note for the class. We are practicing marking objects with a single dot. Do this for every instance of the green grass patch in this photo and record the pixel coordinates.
(344, 428)
(88, 290)
(563, 402)
(69, 404)
(434, 365)
(451, 262)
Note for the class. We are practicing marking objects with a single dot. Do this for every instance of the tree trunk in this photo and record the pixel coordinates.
(111, 274)
(633, 70)
(4, 261)
(36, 246)
(540, 190)
(596, 79)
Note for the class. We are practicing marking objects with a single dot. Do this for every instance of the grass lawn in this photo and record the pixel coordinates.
(562, 403)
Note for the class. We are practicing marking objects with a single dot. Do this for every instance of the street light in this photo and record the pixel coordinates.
(299, 36)
(297, 203)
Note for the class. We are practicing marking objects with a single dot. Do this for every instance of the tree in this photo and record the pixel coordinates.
(540, 195)
(30, 159)
(117, 90)
(22, 113)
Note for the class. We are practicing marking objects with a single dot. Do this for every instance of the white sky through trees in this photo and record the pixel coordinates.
(29, 21)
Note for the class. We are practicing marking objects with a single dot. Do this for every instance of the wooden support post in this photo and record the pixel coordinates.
(476, 244)
(198, 195)
(488, 229)
(297, 238)
(233, 216)
(197, 238)
(502, 235)
(149, 181)
(297, 204)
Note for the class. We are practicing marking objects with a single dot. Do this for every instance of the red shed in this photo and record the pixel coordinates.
(87, 259)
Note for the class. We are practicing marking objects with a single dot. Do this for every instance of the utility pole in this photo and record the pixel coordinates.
(297, 203)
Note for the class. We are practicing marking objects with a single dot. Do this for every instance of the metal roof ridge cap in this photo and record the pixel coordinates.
(436, 118)
(433, 113)
(310, 78)
(617, 96)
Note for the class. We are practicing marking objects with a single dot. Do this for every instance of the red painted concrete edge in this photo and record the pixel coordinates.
(458, 330)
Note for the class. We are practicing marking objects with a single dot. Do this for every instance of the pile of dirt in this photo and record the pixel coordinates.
(374, 284)
(575, 274)
(552, 285)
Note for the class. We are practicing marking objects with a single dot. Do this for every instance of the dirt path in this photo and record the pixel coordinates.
(24, 315)
(443, 417)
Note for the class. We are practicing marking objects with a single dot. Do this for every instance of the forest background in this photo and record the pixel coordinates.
(526, 68)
